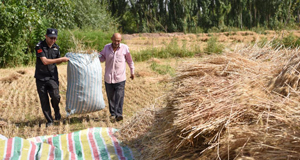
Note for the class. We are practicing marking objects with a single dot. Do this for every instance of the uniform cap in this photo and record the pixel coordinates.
(51, 32)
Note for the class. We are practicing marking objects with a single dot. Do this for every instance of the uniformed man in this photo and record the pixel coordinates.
(47, 56)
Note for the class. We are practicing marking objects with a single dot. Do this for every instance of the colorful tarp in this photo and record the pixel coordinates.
(3, 137)
(92, 143)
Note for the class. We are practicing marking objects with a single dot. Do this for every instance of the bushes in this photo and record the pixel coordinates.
(162, 69)
(289, 41)
(95, 39)
(263, 41)
(92, 14)
(24, 23)
(15, 30)
(213, 46)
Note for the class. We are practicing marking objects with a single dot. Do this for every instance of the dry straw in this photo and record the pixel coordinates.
(80, 47)
(225, 107)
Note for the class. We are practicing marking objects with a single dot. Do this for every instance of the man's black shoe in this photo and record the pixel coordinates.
(119, 118)
(112, 119)
(57, 117)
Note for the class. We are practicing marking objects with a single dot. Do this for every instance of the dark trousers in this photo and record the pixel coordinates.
(115, 97)
(44, 88)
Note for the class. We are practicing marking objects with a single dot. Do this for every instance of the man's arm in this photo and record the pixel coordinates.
(47, 61)
(130, 63)
(102, 56)
(40, 54)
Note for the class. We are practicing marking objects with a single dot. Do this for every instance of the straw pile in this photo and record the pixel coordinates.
(224, 107)
(287, 81)
(80, 47)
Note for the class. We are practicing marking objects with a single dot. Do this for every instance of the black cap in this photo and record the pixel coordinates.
(51, 32)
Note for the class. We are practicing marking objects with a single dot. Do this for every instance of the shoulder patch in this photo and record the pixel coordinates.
(39, 51)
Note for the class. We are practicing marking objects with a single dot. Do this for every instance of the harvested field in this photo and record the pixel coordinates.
(142, 41)
(21, 114)
(243, 104)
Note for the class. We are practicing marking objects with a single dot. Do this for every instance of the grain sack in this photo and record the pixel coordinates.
(84, 89)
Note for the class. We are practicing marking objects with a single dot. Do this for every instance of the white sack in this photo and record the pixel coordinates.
(84, 88)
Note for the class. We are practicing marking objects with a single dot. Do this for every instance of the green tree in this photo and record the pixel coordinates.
(92, 14)
(16, 23)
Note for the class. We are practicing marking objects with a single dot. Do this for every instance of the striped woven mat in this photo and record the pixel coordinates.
(93, 143)
(2, 137)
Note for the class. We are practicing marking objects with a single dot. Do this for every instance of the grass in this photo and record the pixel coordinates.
(163, 69)
(170, 50)
(262, 42)
(213, 46)
(95, 39)
(289, 41)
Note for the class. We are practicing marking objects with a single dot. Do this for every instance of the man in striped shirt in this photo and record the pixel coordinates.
(115, 55)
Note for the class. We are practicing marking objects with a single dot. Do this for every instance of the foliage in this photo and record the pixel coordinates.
(262, 42)
(259, 30)
(189, 15)
(92, 14)
(94, 39)
(213, 30)
(162, 69)
(289, 41)
(16, 23)
(24, 23)
(213, 46)
(58, 13)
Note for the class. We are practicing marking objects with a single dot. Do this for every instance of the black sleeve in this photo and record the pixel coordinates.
(58, 56)
(39, 51)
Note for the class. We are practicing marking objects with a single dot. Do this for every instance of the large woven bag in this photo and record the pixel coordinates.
(84, 88)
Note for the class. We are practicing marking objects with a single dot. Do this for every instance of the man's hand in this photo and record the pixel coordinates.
(132, 76)
(47, 61)
(64, 59)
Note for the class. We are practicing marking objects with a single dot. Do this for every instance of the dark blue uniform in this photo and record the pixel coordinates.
(47, 79)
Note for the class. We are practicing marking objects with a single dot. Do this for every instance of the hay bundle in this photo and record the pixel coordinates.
(221, 108)
(287, 81)
(285, 65)
(10, 78)
(222, 38)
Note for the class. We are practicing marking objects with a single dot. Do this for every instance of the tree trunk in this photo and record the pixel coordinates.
(241, 20)
(250, 11)
(255, 18)
(298, 15)
(289, 14)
